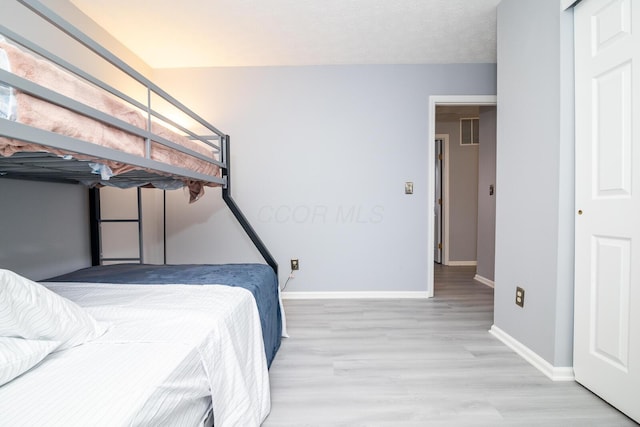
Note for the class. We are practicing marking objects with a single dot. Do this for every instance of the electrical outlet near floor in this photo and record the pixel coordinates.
(520, 296)
(294, 264)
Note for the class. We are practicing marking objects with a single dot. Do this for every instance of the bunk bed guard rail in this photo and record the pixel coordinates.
(30, 134)
(22, 132)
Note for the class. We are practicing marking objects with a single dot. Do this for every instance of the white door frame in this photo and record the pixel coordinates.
(434, 101)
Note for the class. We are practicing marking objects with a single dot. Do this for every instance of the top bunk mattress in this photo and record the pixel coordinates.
(24, 108)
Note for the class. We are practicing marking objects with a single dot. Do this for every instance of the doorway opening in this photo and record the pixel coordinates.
(438, 202)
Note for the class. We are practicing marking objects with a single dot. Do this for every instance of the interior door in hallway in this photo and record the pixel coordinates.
(607, 269)
(438, 219)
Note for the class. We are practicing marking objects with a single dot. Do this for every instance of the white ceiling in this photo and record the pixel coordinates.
(206, 33)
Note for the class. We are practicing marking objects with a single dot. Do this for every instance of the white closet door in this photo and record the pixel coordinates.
(607, 288)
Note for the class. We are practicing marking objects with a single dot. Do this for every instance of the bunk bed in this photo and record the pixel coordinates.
(60, 122)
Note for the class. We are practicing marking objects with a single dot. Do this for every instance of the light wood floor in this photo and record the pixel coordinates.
(416, 363)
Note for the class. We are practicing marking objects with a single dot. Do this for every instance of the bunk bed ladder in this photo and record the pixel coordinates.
(96, 222)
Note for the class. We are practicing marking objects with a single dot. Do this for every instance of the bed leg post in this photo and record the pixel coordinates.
(94, 224)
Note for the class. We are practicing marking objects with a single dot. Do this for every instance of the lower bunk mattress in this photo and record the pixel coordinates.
(171, 355)
(259, 279)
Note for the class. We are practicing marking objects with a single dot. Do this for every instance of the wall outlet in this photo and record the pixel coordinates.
(295, 265)
(520, 296)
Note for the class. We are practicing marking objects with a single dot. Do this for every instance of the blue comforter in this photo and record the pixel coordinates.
(260, 279)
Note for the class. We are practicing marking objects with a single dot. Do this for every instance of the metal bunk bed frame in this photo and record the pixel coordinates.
(34, 162)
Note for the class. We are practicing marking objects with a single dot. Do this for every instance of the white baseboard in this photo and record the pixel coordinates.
(354, 295)
(490, 283)
(462, 263)
(564, 373)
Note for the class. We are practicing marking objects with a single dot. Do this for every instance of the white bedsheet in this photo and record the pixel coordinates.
(170, 353)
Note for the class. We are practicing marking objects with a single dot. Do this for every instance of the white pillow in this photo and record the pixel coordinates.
(18, 355)
(31, 311)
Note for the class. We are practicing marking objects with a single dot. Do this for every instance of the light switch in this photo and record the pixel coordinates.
(408, 187)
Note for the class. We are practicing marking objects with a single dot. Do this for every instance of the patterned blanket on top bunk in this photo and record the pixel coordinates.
(24, 108)
(259, 279)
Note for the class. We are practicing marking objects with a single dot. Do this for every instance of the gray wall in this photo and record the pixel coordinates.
(534, 204)
(44, 228)
(486, 202)
(320, 157)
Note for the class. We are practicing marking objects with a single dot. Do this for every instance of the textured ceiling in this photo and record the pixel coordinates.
(205, 33)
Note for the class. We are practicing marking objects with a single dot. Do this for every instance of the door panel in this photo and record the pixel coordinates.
(607, 265)
(609, 310)
(612, 136)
